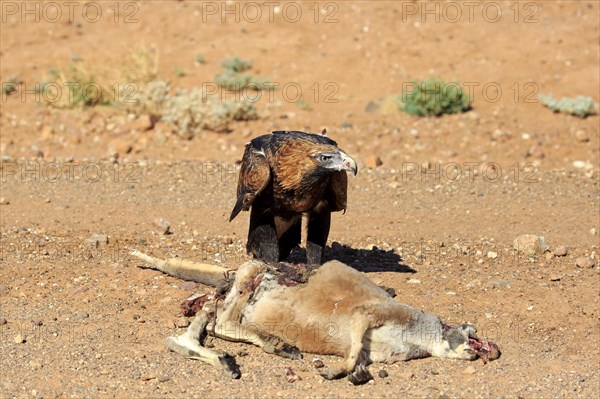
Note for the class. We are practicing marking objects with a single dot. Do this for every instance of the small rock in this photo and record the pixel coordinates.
(19, 339)
(82, 315)
(561, 251)
(182, 322)
(579, 164)
(2, 321)
(147, 377)
(435, 372)
(498, 283)
(413, 281)
(373, 161)
(164, 225)
(317, 363)
(382, 373)
(35, 365)
(492, 255)
(473, 283)
(584, 261)
(145, 122)
(291, 376)
(4, 201)
(241, 352)
(535, 151)
(555, 278)
(469, 370)
(228, 240)
(530, 308)
(407, 375)
(582, 136)
(530, 244)
(549, 255)
(163, 378)
(593, 231)
(96, 239)
(38, 323)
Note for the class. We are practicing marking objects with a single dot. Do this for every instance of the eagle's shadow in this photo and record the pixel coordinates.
(364, 260)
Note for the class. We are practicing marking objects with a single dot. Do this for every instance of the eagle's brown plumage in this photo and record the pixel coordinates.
(284, 175)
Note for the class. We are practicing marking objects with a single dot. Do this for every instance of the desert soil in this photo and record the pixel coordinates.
(82, 187)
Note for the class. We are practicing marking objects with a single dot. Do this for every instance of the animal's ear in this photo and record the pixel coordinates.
(324, 132)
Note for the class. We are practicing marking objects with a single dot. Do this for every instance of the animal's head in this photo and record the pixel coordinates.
(461, 342)
(307, 155)
(330, 157)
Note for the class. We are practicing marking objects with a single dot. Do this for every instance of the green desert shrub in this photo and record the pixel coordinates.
(233, 79)
(190, 112)
(433, 97)
(580, 106)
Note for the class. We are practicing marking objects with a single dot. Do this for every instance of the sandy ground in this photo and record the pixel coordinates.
(436, 220)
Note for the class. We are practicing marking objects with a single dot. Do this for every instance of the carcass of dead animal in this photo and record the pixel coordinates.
(332, 310)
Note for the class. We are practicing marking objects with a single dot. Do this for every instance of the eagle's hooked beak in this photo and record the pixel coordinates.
(348, 163)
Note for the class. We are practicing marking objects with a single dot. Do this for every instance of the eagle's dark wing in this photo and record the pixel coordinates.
(337, 193)
(255, 175)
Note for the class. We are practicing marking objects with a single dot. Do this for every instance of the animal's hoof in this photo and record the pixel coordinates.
(289, 352)
(360, 375)
(230, 366)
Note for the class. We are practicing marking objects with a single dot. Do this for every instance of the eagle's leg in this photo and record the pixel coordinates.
(316, 238)
(289, 232)
(262, 235)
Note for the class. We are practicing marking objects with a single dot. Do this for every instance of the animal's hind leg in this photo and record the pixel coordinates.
(262, 235)
(316, 238)
(233, 331)
(188, 345)
(359, 325)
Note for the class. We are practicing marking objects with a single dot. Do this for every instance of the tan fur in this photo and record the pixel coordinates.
(338, 311)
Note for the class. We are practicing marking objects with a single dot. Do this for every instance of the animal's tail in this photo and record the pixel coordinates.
(185, 269)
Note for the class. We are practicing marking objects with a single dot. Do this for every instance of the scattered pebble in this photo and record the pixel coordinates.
(147, 377)
(407, 375)
(555, 278)
(182, 322)
(291, 376)
(530, 308)
(549, 255)
(163, 225)
(593, 231)
(317, 363)
(561, 251)
(19, 339)
(382, 373)
(469, 370)
(413, 281)
(163, 378)
(498, 283)
(584, 261)
(4, 201)
(82, 315)
(492, 255)
(582, 136)
(373, 161)
(96, 239)
(2, 321)
(530, 244)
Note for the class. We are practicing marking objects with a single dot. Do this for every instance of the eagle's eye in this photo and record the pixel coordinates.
(324, 157)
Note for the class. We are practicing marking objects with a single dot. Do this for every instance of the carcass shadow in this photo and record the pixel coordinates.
(364, 260)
